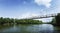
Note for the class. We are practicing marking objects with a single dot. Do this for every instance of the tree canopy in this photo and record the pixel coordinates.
(18, 21)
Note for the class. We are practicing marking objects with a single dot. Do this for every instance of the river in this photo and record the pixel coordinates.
(30, 28)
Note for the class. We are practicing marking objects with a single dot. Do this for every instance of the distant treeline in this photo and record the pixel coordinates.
(18, 21)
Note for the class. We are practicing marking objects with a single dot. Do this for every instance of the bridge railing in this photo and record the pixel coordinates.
(41, 16)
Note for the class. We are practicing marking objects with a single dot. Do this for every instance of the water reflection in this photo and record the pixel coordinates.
(43, 28)
(30, 28)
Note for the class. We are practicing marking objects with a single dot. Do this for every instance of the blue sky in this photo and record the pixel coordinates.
(28, 8)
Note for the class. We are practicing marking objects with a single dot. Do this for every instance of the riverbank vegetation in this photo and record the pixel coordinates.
(18, 21)
(56, 20)
(28, 21)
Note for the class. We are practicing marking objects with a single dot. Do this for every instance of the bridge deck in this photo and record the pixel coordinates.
(39, 17)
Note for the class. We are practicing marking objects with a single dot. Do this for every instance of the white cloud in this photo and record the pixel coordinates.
(43, 2)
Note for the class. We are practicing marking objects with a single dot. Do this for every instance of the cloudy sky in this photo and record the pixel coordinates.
(27, 8)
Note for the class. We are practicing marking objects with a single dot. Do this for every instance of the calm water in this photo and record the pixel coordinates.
(30, 28)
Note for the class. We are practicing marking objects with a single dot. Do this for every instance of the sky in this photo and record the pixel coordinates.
(27, 8)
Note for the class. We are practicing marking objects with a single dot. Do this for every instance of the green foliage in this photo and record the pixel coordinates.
(53, 21)
(28, 21)
(6, 20)
(1, 20)
(56, 20)
(18, 21)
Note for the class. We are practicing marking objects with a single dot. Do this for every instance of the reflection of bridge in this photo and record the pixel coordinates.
(42, 16)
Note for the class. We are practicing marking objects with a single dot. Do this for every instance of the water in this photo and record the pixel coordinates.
(30, 28)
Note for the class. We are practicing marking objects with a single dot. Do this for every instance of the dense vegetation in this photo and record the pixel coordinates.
(18, 21)
(6, 20)
(53, 21)
(56, 20)
(27, 21)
